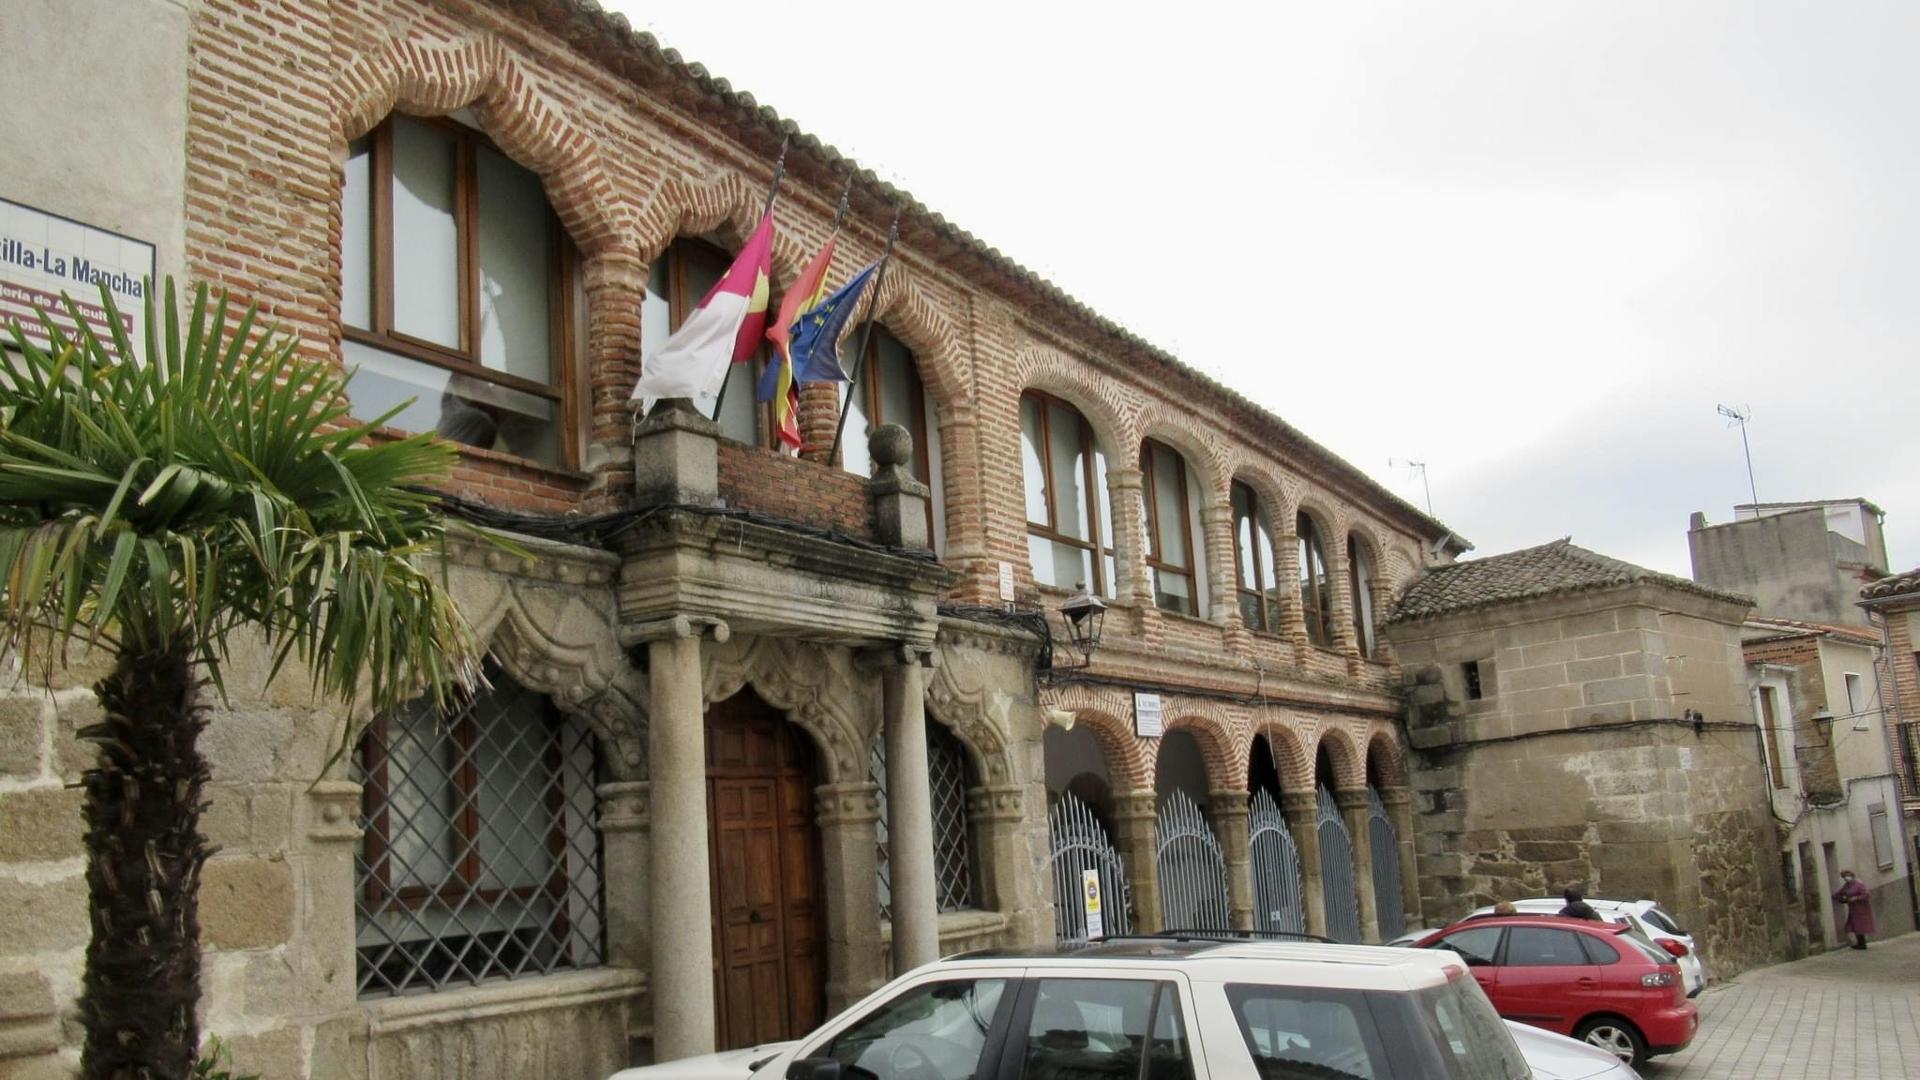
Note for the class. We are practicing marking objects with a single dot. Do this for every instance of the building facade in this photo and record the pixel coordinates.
(1805, 560)
(1892, 605)
(762, 728)
(1581, 721)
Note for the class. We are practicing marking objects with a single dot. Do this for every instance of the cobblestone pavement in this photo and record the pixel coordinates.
(1846, 1014)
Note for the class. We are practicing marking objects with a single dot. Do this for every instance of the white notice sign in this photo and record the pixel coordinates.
(1149, 720)
(1006, 582)
(43, 255)
(1090, 888)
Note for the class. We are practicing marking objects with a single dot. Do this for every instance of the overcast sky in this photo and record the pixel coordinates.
(1531, 244)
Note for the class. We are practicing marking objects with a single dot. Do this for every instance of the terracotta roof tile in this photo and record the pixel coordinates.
(1548, 570)
(1893, 585)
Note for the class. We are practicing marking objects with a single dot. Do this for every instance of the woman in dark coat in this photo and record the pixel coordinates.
(1859, 901)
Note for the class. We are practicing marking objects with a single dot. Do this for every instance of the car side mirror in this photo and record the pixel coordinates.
(826, 1068)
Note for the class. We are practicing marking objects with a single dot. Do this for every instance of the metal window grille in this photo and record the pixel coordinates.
(480, 851)
(1277, 900)
(1384, 846)
(1193, 869)
(1337, 874)
(947, 781)
(1079, 845)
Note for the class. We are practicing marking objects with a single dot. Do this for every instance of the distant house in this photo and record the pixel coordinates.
(1893, 605)
(1585, 721)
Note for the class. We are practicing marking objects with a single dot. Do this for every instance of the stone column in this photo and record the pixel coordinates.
(1135, 834)
(682, 937)
(1399, 801)
(1341, 601)
(1303, 821)
(624, 813)
(1227, 813)
(916, 905)
(676, 457)
(1286, 567)
(845, 815)
(1353, 807)
(1007, 882)
(1124, 487)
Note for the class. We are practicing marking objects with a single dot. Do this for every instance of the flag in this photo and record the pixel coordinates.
(816, 337)
(725, 328)
(776, 383)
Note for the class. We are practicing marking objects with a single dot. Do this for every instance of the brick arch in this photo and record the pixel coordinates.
(422, 79)
(1267, 484)
(1104, 402)
(1325, 517)
(1129, 757)
(1349, 767)
(1200, 450)
(1217, 751)
(1292, 754)
(911, 315)
(722, 204)
(1387, 757)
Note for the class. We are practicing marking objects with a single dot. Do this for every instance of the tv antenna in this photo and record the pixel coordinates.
(1421, 466)
(1740, 416)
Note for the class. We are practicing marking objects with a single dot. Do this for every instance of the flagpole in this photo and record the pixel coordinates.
(866, 333)
(773, 189)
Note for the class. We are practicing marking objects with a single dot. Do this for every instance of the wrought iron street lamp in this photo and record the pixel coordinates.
(1083, 614)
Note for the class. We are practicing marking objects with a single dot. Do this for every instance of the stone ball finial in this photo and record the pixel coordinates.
(890, 445)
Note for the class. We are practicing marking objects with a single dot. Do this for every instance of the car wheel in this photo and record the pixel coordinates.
(1616, 1037)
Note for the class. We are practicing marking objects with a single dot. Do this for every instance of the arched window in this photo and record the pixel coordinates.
(458, 289)
(479, 856)
(890, 392)
(1069, 519)
(1316, 596)
(1360, 587)
(679, 279)
(1257, 577)
(1170, 550)
(949, 775)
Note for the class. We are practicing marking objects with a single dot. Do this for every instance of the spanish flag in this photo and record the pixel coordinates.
(776, 383)
(725, 328)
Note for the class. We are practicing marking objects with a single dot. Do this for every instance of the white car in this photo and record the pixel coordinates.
(1169, 1010)
(1643, 915)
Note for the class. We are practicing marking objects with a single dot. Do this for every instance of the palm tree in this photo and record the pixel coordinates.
(156, 507)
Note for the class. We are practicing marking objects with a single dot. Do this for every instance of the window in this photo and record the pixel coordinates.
(1169, 533)
(457, 289)
(949, 775)
(1091, 1029)
(1316, 598)
(1300, 1032)
(1769, 723)
(934, 1032)
(1360, 588)
(1598, 952)
(1256, 576)
(1882, 839)
(890, 392)
(1856, 702)
(1473, 1041)
(479, 857)
(679, 279)
(1470, 671)
(1069, 519)
(1479, 945)
(1540, 946)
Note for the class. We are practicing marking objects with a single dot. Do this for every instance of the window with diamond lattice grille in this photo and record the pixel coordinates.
(949, 775)
(480, 851)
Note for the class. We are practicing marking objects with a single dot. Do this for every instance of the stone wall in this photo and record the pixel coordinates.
(1582, 763)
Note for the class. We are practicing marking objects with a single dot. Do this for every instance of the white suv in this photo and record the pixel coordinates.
(1167, 1009)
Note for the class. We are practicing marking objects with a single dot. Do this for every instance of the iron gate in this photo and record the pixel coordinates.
(1080, 844)
(1193, 869)
(1277, 902)
(1385, 844)
(1337, 872)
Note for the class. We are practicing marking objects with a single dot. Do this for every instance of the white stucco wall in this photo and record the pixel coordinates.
(95, 95)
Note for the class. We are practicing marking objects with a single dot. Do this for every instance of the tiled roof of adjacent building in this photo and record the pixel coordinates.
(639, 56)
(1774, 628)
(1893, 585)
(1531, 573)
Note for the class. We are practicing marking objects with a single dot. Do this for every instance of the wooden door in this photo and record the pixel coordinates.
(769, 973)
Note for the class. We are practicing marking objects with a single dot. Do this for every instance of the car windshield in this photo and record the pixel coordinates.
(1474, 1044)
(1664, 921)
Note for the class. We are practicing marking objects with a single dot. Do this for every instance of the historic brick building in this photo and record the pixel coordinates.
(763, 728)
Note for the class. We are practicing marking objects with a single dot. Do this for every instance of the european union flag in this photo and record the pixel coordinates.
(816, 336)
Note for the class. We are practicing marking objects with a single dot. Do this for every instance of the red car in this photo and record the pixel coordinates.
(1595, 981)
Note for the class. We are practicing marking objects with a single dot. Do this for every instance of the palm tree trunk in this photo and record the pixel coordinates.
(144, 853)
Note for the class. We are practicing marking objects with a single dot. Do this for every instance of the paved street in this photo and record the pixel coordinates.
(1842, 1014)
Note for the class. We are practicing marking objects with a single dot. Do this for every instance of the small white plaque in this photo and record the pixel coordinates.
(1090, 889)
(1006, 582)
(1149, 718)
